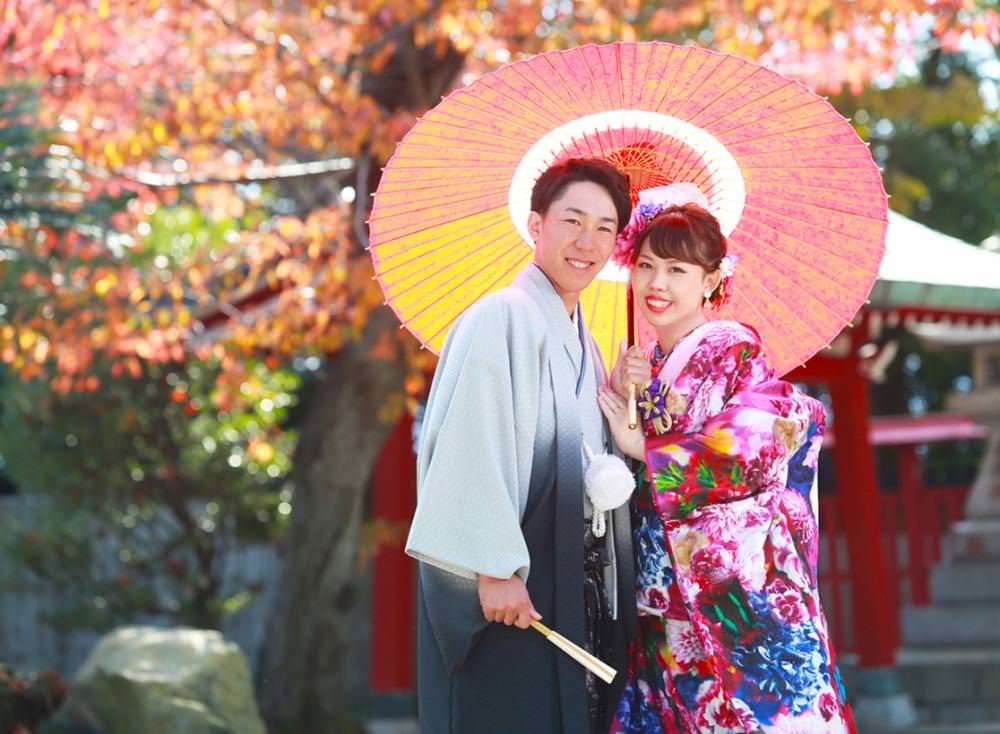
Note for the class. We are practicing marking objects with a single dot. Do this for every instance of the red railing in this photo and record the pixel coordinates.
(914, 519)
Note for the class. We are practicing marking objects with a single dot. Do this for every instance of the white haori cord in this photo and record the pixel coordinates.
(608, 483)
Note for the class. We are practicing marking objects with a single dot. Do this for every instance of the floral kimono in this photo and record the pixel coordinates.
(732, 635)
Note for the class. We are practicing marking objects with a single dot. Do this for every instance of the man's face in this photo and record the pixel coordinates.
(575, 238)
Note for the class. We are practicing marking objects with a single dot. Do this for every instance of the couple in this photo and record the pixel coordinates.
(702, 591)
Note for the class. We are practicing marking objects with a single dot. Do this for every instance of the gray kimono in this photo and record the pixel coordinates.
(500, 491)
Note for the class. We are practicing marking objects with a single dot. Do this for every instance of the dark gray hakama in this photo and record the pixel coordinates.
(480, 678)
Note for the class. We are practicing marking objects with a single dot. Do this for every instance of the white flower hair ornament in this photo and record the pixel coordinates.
(653, 202)
(608, 483)
(728, 266)
(724, 291)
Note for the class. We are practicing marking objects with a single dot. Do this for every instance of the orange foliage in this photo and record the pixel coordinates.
(187, 99)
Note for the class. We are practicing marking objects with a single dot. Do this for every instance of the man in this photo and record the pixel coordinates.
(501, 513)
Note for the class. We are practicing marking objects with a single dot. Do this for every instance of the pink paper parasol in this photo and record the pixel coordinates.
(794, 188)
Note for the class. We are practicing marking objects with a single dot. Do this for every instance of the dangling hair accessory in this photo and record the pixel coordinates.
(608, 483)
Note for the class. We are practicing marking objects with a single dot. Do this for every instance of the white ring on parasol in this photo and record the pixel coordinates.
(727, 196)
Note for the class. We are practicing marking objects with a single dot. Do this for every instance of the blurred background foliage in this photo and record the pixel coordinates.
(188, 323)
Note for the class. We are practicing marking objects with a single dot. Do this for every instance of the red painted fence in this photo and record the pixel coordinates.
(914, 519)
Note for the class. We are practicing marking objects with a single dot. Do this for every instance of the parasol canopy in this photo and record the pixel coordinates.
(794, 188)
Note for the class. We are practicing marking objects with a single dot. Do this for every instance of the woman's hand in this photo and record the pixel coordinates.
(615, 409)
(631, 367)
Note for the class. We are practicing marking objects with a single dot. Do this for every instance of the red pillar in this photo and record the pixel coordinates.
(392, 648)
(876, 626)
(910, 469)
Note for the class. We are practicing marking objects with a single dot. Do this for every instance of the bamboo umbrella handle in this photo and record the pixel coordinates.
(592, 663)
(633, 410)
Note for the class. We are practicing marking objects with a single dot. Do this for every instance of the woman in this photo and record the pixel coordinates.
(732, 636)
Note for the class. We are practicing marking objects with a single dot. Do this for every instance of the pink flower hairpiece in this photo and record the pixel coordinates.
(651, 203)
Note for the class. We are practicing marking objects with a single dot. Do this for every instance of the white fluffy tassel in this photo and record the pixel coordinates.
(609, 484)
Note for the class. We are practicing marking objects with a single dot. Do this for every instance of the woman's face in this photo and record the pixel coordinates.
(669, 292)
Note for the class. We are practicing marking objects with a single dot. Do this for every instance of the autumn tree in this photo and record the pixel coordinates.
(291, 109)
(145, 479)
(143, 487)
(937, 139)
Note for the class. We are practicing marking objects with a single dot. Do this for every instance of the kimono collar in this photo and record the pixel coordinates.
(534, 280)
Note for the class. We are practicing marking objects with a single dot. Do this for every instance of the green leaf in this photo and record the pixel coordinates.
(706, 479)
(686, 506)
(669, 478)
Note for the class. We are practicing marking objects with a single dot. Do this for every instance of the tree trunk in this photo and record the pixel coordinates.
(302, 680)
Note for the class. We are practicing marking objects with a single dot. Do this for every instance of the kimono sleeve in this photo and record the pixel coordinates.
(739, 449)
(471, 464)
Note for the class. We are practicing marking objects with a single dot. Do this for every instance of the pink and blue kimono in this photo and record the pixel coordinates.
(732, 634)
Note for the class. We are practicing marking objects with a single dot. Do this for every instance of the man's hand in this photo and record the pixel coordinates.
(506, 601)
(631, 367)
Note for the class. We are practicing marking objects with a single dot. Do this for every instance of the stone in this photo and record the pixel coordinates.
(974, 540)
(949, 684)
(952, 624)
(911, 680)
(146, 680)
(983, 404)
(990, 685)
(961, 714)
(884, 713)
(392, 726)
(955, 583)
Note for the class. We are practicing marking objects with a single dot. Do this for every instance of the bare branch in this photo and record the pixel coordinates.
(361, 200)
(413, 72)
(253, 174)
(392, 34)
(235, 27)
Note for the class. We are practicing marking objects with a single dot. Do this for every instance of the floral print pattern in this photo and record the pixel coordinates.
(732, 635)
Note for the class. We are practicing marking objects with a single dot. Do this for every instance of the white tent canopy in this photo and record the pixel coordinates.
(925, 267)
